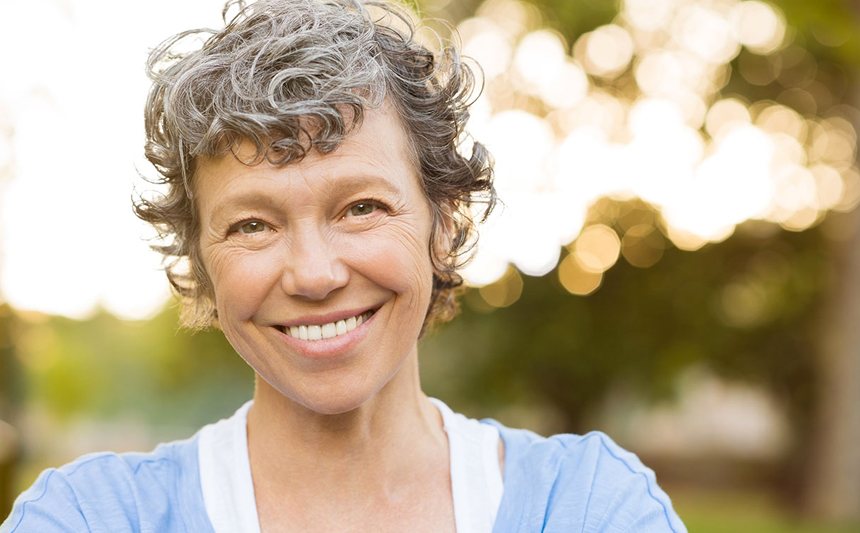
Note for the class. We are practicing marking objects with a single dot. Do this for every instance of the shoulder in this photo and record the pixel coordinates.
(586, 482)
(155, 491)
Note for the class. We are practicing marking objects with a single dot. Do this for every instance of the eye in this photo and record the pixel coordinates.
(251, 226)
(361, 209)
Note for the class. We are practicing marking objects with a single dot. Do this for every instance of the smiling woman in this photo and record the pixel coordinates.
(311, 261)
(317, 209)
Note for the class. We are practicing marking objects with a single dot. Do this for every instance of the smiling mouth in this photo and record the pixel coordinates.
(327, 331)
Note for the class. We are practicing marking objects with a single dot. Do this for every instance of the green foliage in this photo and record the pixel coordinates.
(572, 19)
(643, 327)
(734, 511)
(106, 367)
(747, 307)
(828, 28)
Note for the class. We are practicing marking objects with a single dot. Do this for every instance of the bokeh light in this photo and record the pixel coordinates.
(607, 50)
(636, 109)
(505, 291)
(576, 279)
(757, 26)
(597, 248)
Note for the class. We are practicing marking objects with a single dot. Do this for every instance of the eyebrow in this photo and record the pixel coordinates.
(242, 201)
(345, 186)
(365, 181)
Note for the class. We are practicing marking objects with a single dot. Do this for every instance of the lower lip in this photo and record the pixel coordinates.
(328, 348)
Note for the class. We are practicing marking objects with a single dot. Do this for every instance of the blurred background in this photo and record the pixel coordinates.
(676, 261)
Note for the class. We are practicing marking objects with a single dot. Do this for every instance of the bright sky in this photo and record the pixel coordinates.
(72, 96)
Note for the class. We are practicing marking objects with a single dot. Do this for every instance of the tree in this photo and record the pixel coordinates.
(749, 306)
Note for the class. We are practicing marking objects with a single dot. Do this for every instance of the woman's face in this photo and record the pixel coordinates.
(335, 248)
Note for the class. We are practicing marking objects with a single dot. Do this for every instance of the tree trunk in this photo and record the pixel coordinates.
(834, 487)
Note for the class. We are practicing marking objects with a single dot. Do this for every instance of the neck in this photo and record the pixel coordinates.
(374, 446)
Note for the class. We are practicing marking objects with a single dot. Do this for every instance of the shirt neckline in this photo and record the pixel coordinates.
(228, 489)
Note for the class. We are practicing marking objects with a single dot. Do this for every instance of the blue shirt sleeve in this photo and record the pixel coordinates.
(571, 483)
(116, 493)
(50, 505)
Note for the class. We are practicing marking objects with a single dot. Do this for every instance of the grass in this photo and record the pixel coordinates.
(705, 511)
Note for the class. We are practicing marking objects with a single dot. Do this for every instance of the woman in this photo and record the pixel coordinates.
(316, 210)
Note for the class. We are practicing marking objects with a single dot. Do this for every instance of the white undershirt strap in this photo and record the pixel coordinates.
(476, 480)
(225, 474)
(228, 490)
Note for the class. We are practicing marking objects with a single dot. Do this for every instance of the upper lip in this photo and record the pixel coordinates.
(327, 318)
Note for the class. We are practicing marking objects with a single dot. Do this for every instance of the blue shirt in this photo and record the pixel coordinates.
(565, 483)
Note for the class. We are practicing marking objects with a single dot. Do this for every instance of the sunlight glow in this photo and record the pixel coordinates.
(72, 142)
(485, 42)
(538, 58)
(704, 31)
(642, 116)
(649, 15)
(757, 26)
(608, 50)
(725, 115)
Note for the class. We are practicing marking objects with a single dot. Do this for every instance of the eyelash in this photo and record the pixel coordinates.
(377, 204)
(235, 228)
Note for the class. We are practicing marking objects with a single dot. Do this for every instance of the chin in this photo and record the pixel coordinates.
(327, 398)
(334, 403)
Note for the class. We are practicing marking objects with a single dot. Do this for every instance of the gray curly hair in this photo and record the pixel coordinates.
(291, 76)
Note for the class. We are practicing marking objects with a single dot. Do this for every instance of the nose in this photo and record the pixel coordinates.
(314, 268)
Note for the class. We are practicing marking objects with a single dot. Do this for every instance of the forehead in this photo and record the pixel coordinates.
(381, 129)
(378, 149)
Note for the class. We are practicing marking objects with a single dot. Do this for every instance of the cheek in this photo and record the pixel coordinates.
(398, 260)
(240, 281)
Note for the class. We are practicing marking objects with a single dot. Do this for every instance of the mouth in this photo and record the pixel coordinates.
(313, 332)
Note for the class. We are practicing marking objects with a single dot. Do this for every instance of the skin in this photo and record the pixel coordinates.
(340, 437)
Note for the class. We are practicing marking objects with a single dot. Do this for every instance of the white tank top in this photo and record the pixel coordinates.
(228, 490)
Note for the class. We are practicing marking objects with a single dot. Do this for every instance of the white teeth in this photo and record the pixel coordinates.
(328, 331)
